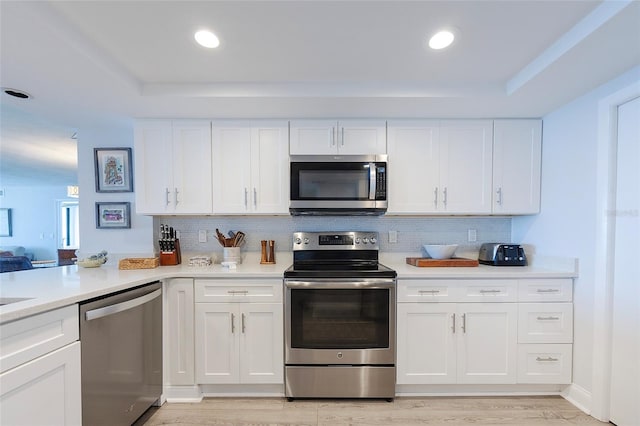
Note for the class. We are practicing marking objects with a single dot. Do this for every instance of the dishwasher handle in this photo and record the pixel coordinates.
(123, 306)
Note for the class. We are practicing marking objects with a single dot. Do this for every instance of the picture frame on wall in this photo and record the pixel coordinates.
(5, 222)
(114, 169)
(110, 215)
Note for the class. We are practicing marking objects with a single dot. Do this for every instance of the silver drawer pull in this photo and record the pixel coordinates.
(548, 318)
(429, 291)
(548, 290)
(490, 291)
(547, 359)
(238, 291)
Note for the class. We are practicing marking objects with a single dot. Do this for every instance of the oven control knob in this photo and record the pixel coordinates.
(373, 240)
(357, 240)
(306, 241)
(298, 241)
(365, 240)
(339, 355)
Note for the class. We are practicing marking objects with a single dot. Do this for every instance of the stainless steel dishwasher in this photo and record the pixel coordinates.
(121, 342)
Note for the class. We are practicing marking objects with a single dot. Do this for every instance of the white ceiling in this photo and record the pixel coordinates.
(106, 62)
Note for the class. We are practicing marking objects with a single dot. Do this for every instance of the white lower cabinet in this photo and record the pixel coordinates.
(40, 363)
(448, 343)
(180, 332)
(484, 332)
(239, 341)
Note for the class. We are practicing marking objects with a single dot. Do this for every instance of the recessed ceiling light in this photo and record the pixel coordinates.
(16, 93)
(207, 39)
(441, 39)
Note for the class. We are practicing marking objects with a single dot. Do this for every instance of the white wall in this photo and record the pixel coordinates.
(34, 218)
(137, 241)
(568, 223)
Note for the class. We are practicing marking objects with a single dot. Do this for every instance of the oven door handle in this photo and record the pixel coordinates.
(349, 284)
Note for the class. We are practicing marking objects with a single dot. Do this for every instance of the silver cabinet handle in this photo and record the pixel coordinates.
(435, 196)
(237, 291)
(464, 323)
(499, 193)
(429, 291)
(547, 359)
(482, 291)
(453, 326)
(444, 196)
(246, 195)
(233, 325)
(334, 131)
(122, 306)
(242, 322)
(255, 197)
(548, 290)
(167, 195)
(548, 318)
(343, 136)
(175, 197)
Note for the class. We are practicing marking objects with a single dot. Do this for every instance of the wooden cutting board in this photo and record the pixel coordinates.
(453, 262)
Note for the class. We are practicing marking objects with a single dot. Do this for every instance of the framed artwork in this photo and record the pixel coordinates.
(114, 170)
(5, 222)
(113, 215)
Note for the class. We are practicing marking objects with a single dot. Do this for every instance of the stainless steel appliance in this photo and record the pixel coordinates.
(338, 185)
(498, 254)
(340, 318)
(121, 344)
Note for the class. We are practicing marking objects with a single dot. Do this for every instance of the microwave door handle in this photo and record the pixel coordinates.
(372, 181)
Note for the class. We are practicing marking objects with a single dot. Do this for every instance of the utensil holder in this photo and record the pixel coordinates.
(171, 258)
(231, 254)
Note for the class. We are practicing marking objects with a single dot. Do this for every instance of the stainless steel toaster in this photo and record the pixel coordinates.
(499, 254)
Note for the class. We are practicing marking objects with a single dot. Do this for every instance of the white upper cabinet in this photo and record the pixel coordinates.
(331, 137)
(440, 167)
(517, 151)
(250, 167)
(413, 166)
(172, 166)
(465, 166)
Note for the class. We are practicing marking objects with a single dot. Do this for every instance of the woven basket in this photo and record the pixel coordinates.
(139, 263)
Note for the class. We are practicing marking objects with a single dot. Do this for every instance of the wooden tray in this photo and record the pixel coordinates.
(139, 263)
(453, 262)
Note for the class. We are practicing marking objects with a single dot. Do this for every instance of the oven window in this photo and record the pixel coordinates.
(339, 318)
(330, 181)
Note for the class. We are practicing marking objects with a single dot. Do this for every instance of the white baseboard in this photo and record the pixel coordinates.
(578, 396)
(183, 393)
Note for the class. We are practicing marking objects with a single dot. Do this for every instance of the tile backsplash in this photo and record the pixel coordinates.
(412, 232)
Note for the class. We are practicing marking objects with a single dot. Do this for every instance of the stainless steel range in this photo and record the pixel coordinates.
(340, 318)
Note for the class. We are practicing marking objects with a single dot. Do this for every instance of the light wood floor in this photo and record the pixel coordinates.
(520, 411)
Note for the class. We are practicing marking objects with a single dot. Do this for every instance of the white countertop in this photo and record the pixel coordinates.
(51, 288)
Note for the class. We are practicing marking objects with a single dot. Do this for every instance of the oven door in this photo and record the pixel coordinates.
(340, 322)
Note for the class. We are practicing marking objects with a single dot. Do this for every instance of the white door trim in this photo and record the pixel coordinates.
(605, 231)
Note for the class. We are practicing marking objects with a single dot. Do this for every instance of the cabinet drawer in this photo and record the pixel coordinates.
(31, 337)
(488, 291)
(242, 290)
(425, 291)
(545, 323)
(544, 363)
(545, 290)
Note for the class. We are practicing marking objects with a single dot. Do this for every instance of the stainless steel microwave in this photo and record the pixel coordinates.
(338, 184)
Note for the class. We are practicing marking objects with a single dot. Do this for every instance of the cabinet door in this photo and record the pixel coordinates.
(231, 144)
(465, 166)
(191, 158)
(413, 166)
(45, 391)
(217, 326)
(313, 137)
(270, 168)
(153, 168)
(487, 343)
(517, 150)
(362, 137)
(180, 344)
(426, 343)
(261, 343)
